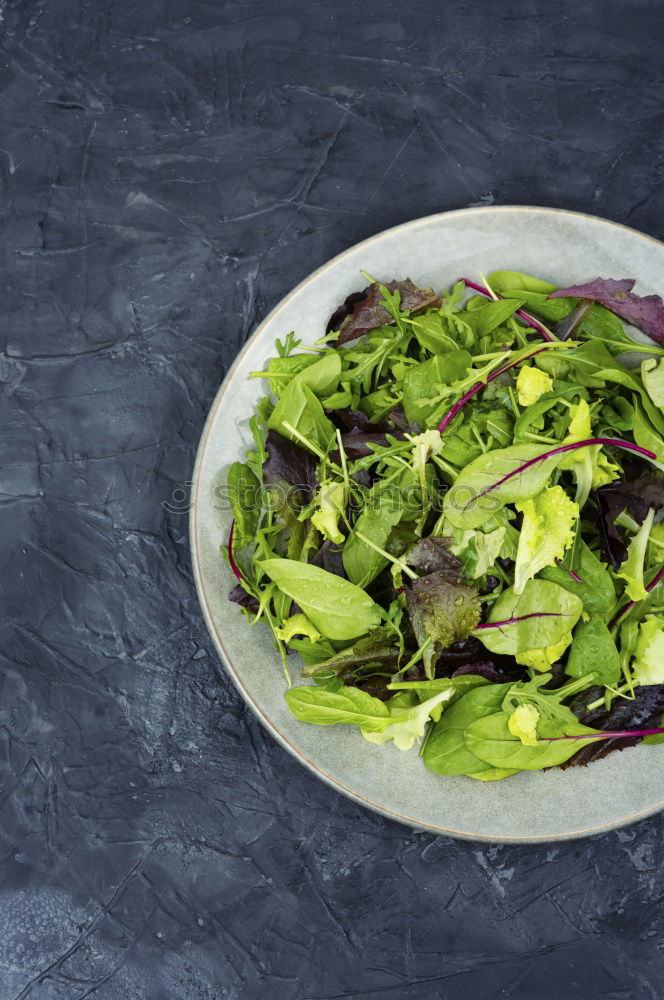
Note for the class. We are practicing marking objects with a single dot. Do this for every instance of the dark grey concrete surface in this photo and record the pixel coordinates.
(169, 169)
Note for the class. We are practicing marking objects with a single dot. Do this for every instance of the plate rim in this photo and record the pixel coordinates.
(216, 637)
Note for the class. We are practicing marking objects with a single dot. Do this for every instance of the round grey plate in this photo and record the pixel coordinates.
(563, 247)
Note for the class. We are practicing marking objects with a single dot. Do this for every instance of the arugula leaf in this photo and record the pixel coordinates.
(338, 608)
(594, 651)
(244, 496)
(547, 531)
(420, 381)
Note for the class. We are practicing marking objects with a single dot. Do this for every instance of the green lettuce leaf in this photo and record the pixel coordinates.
(547, 531)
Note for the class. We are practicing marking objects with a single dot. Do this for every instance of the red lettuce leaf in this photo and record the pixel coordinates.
(643, 311)
(362, 311)
(637, 497)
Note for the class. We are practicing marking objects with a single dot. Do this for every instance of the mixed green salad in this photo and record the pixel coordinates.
(453, 512)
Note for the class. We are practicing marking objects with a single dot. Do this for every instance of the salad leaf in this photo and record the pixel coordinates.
(379, 646)
(337, 608)
(300, 625)
(491, 740)
(331, 501)
(420, 381)
(522, 723)
(644, 711)
(299, 408)
(244, 496)
(382, 512)
(510, 474)
(517, 622)
(365, 311)
(445, 751)
(594, 651)
(652, 373)
(643, 311)
(632, 568)
(531, 383)
(648, 666)
(377, 720)
(443, 609)
(502, 281)
(547, 531)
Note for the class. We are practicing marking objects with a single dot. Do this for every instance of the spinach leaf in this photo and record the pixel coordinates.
(323, 376)
(596, 589)
(338, 608)
(445, 751)
(244, 496)
(501, 281)
(299, 408)
(489, 739)
(490, 315)
(401, 719)
(539, 617)
(489, 482)
(594, 651)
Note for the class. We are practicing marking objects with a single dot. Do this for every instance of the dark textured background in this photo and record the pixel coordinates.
(169, 170)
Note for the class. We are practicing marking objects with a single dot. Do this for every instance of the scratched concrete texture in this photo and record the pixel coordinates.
(169, 169)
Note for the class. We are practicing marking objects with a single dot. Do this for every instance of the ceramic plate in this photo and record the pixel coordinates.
(563, 247)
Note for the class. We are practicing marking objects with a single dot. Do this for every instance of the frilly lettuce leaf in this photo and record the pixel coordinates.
(298, 625)
(547, 530)
(331, 502)
(523, 723)
(542, 659)
(648, 665)
(532, 383)
(477, 550)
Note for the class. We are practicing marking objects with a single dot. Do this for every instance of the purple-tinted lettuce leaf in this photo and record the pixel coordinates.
(363, 312)
(637, 497)
(432, 555)
(329, 558)
(239, 595)
(442, 607)
(288, 465)
(358, 444)
(482, 668)
(643, 712)
(355, 420)
(643, 311)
